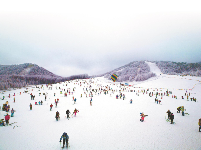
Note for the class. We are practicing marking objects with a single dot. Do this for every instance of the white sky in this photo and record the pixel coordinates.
(74, 37)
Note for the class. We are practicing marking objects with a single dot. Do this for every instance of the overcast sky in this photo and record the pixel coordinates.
(69, 37)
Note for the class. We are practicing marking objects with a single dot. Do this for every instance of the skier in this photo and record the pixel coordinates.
(75, 111)
(123, 96)
(169, 113)
(12, 112)
(74, 100)
(2, 123)
(91, 102)
(57, 115)
(142, 117)
(182, 110)
(7, 117)
(131, 101)
(199, 123)
(65, 138)
(171, 118)
(51, 107)
(41, 102)
(30, 106)
(68, 112)
(178, 109)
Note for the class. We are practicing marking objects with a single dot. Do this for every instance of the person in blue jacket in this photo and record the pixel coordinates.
(65, 138)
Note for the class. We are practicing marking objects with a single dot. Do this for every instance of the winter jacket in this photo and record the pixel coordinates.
(67, 112)
(65, 136)
(169, 113)
(7, 117)
(171, 116)
(199, 123)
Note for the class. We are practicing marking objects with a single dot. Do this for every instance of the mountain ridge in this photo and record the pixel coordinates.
(17, 76)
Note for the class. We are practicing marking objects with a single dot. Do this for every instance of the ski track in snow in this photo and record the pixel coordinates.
(110, 123)
(154, 68)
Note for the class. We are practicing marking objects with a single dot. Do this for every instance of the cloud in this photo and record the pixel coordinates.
(73, 37)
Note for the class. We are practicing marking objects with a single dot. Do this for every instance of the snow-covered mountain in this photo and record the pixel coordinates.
(17, 76)
(179, 68)
(134, 71)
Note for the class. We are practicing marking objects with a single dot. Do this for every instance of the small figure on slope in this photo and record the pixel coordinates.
(68, 112)
(178, 109)
(131, 101)
(2, 123)
(142, 117)
(57, 116)
(30, 106)
(199, 123)
(169, 113)
(65, 138)
(7, 117)
(12, 112)
(91, 101)
(75, 100)
(182, 110)
(51, 107)
(75, 112)
(171, 118)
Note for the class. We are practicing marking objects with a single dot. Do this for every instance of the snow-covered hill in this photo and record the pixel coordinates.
(134, 71)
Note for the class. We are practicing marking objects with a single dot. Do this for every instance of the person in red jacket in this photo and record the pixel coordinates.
(30, 106)
(142, 117)
(7, 117)
(51, 107)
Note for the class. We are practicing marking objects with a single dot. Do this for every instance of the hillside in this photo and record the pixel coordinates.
(179, 68)
(134, 71)
(17, 76)
(25, 69)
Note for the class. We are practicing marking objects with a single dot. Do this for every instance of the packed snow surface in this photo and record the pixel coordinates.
(110, 123)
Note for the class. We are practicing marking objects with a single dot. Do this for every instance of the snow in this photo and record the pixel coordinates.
(109, 123)
(154, 68)
(25, 71)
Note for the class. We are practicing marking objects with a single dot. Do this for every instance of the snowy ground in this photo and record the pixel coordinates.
(110, 124)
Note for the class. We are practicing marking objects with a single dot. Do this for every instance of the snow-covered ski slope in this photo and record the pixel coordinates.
(154, 68)
(110, 123)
